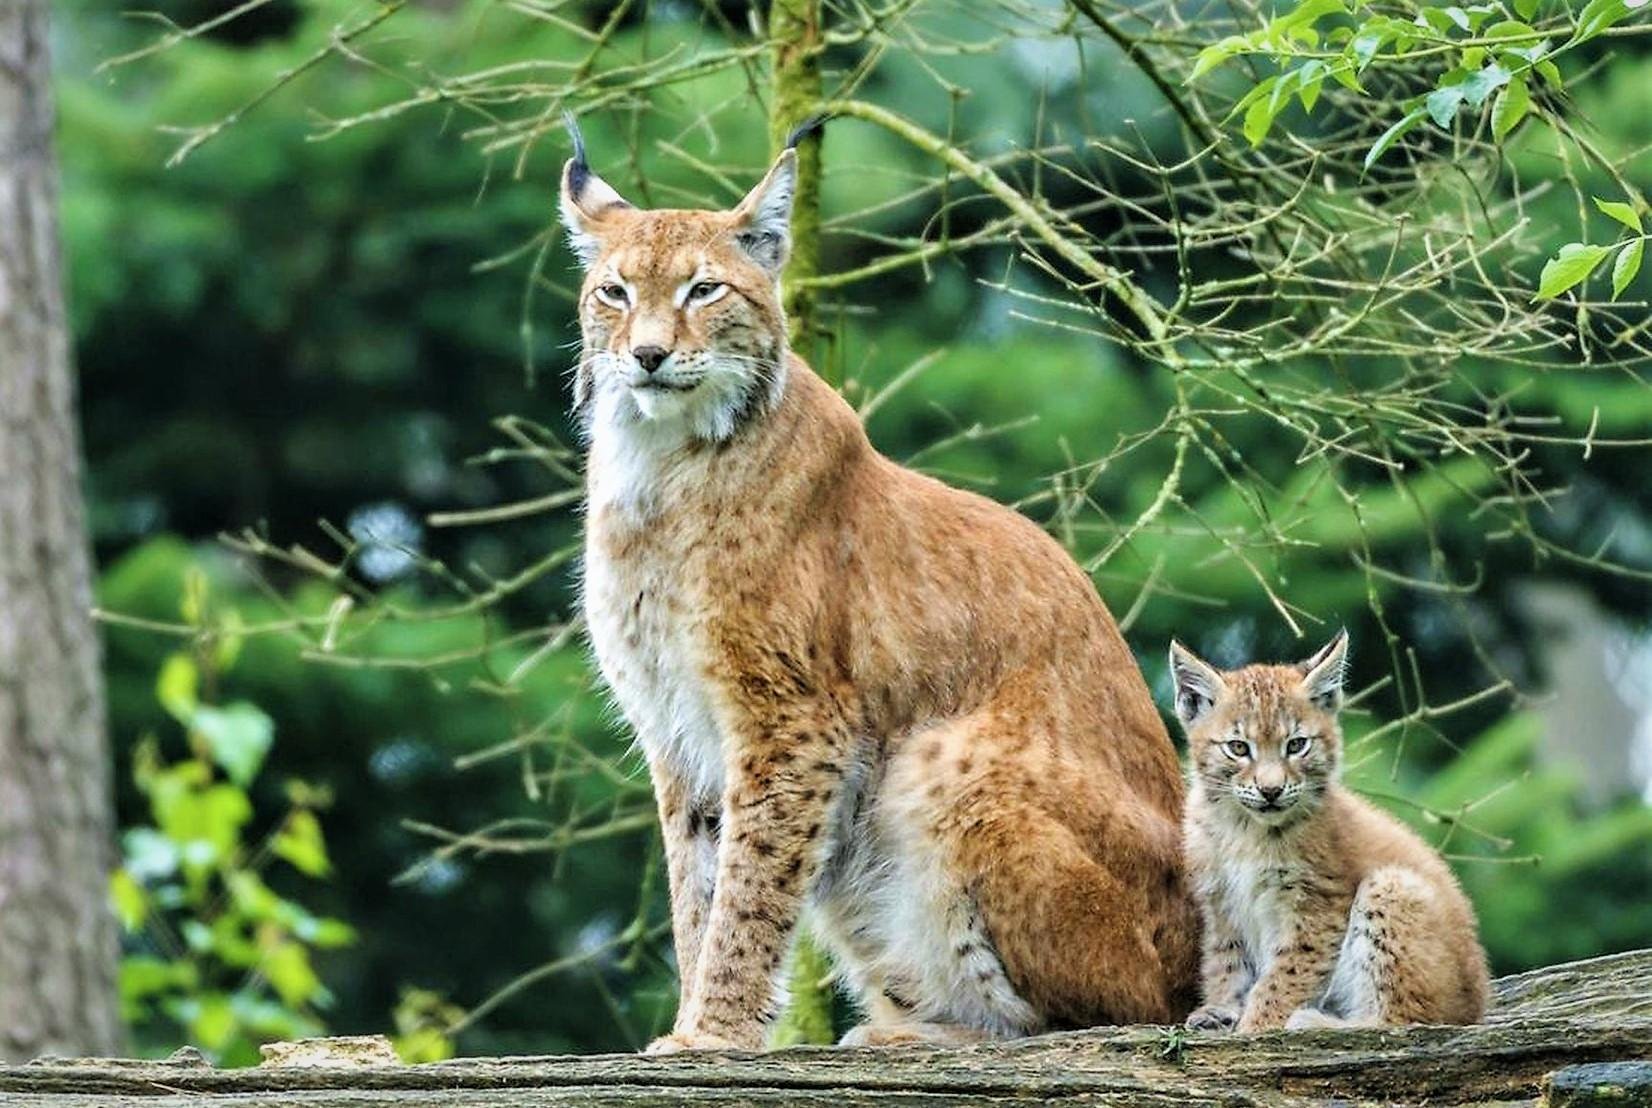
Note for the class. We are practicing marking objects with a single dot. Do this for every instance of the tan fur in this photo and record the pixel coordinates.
(858, 689)
(1319, 909)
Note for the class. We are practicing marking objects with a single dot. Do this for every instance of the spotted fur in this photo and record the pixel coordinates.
(1319, 910)
(861, 692)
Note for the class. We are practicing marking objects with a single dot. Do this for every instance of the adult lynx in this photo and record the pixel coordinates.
(856, 688)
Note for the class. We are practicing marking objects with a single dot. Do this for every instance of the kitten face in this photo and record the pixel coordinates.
(1264, 739)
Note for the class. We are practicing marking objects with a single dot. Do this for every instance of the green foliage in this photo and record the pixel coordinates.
(1479, 53)
(1577, 260)
(216, 957)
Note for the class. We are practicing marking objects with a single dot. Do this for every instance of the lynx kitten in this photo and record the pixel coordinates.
(1319, 910)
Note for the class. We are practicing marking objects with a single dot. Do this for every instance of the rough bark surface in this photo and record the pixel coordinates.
(57, 942)
(1579, 1034)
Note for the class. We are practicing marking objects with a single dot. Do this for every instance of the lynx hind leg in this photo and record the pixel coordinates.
(1388, 971)
(1080, 942)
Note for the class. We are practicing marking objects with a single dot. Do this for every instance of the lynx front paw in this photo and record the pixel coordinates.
(1213, 1017)
(677, 1042)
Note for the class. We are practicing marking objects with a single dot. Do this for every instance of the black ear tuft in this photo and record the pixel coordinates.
(803, 130)
(579, 169)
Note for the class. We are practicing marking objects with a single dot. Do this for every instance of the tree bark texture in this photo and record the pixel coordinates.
(1574, 1035)
(58, 945)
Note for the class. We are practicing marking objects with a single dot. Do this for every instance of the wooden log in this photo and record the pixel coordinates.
(1571, 1036)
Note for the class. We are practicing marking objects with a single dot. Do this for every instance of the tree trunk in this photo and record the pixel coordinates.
(1566, 1037)
(57, 939)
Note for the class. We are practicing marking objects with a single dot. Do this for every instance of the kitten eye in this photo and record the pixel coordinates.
(1296, 744)
(613, 295)
(1237, 748)
(702, 291)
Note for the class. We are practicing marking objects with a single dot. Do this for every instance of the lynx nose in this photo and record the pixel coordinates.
(1270, 793)
(650, 357)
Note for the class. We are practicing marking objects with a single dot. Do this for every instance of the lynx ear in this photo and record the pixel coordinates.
(763, 220)
(586, 199)
(1323, 673)
(1197, 684)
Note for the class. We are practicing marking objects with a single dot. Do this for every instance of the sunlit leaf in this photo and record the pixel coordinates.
(288, 969)
(1573, 264)
(238, 736)
(1621, 212)
(1483, 82)
(178, 686)
(1389, 137)
(130, 902)
(1510, 108)
(1628, 264)
(300, 843)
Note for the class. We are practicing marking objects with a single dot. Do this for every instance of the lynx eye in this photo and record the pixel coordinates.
(1237, 748)
(704, 292)
(1296, 745)
(613, 294)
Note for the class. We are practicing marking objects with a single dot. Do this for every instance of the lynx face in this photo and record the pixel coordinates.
(679, 310)
(1264, 740)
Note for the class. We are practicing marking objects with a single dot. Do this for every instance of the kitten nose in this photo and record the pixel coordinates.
(650, 357)
(1270, 793)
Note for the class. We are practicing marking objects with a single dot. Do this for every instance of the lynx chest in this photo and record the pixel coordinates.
(649, 636)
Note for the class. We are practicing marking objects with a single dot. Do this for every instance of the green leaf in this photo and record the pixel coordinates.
(143, 976)
(1550, 72)
(178, 687)
(329, 933)
(1365, 46)
(1598, 16)
(205, 822)
(1510, 108)
(1442, 104)
(1525, 9)
(1260, 115)
(1307, 13)
(149, 855)
(1311, 78)
(213, 1022)
(1573, 264)
(238, 736)
(288, 969)
(301, 844)
(1393, 135)
(1508, 28)
(1215, 54)
(130, 902)
(1483, 82)
(1621, 212)
(1627, 265)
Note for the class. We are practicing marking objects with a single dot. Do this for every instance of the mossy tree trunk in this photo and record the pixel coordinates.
(794, 32)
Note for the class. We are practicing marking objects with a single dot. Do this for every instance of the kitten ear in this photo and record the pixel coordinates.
(586, 200)
(1322, 675)
(1198, 684)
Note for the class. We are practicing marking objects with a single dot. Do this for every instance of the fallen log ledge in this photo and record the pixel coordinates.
(1568, 1036)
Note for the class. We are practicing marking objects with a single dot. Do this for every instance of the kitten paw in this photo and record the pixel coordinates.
(1213, 1017)
(677, 1042)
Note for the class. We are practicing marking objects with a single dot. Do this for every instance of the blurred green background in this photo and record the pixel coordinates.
(281, 331)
